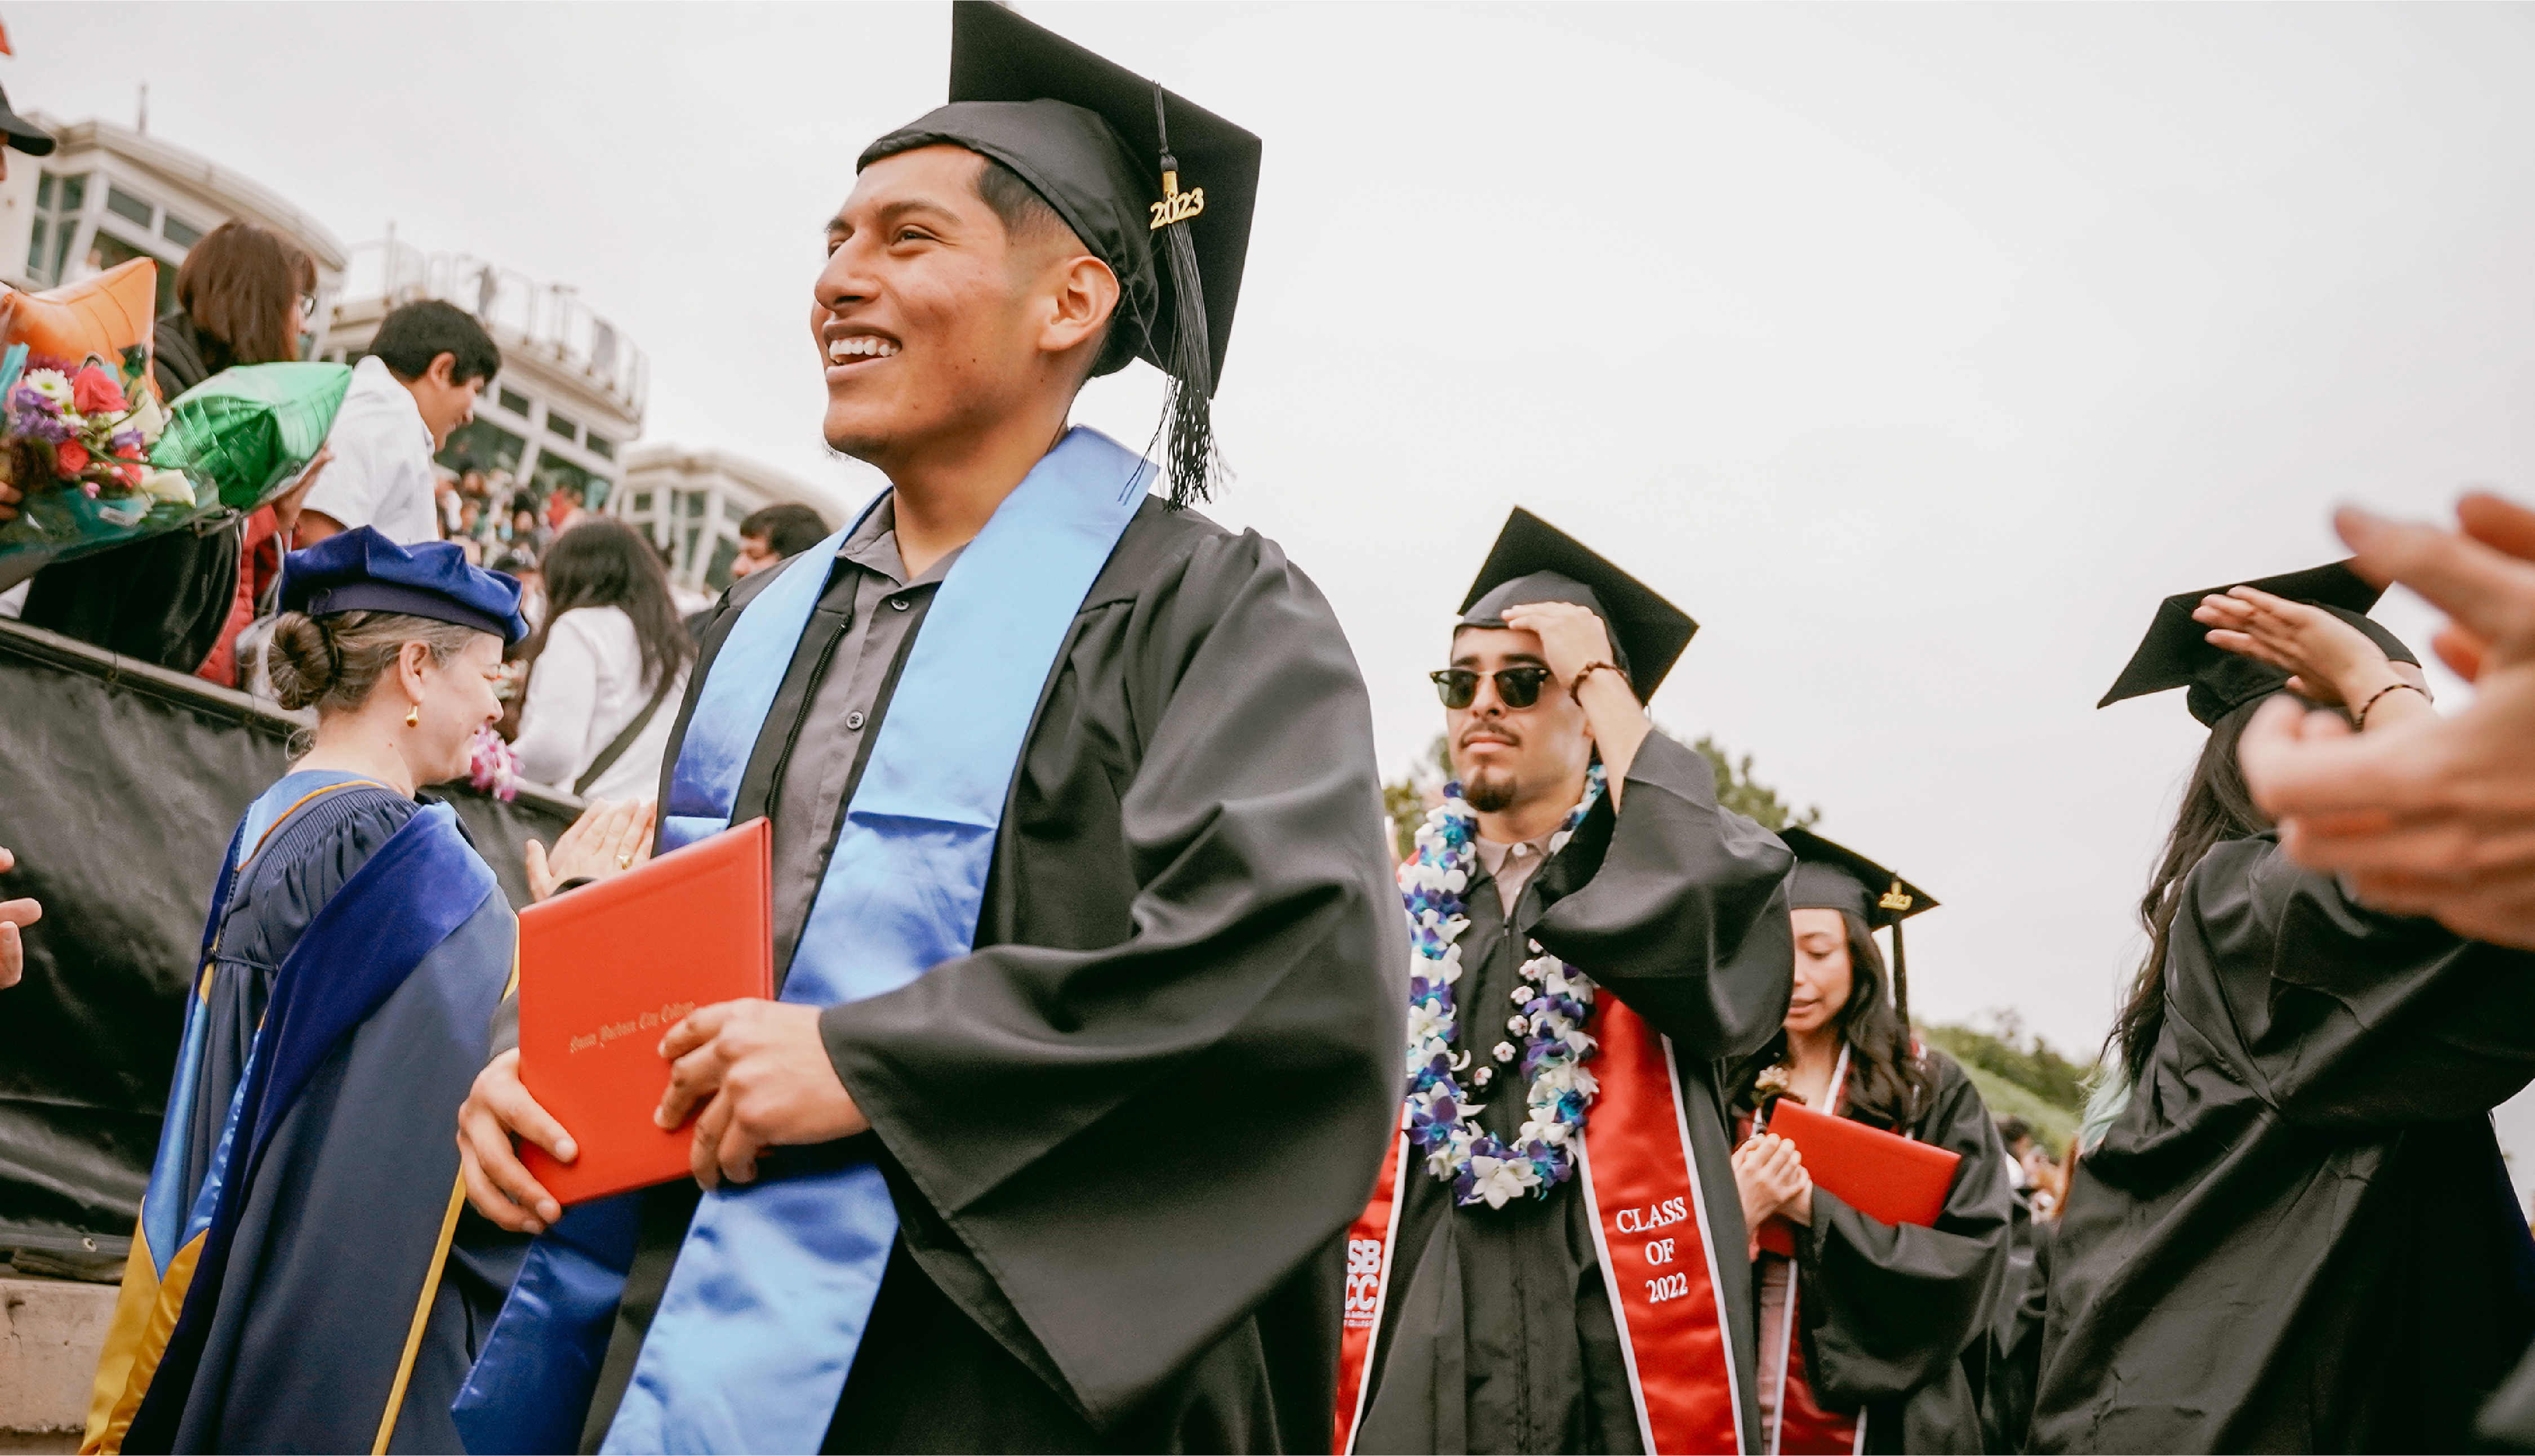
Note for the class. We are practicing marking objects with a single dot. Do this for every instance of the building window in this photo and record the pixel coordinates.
(687, 556)
(563, 425)
(182, 233)
(481, 444)
(59, 200)
(555, 473)
(642, 503)
(124, 205)
(600, 445)
(110, 251)
(695, 503)
(515, 402)
(731, 513)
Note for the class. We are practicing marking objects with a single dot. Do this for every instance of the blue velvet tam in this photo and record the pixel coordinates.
(362, 570)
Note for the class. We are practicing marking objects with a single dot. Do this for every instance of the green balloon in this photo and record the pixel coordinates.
(246, 432)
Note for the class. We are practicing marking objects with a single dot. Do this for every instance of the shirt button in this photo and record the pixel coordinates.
(898, 602)
(854, 720)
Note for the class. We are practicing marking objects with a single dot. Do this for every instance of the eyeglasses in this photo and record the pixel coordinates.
(1517, 686)
(308, 309)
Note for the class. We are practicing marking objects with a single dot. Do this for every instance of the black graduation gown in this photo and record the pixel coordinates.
(2299, 1234)
(2011, 1363)
(1126, 1134)
(1496, 1333)
(1887, 1313)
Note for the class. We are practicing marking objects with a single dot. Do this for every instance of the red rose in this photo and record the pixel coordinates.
(94, 391)
(68, 457)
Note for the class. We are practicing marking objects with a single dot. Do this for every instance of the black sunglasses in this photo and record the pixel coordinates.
(1519, 687)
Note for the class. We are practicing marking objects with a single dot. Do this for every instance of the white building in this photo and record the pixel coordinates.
(694, 500)
(109, 195)
(572, 389)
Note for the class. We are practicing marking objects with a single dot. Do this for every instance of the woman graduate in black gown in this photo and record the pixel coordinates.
(1863, 1332)
(292, 1285)
(2290, 1227)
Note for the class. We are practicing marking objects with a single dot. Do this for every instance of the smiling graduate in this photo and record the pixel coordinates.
(1087, 1045)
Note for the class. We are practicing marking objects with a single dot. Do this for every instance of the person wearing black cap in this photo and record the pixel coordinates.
(1082, 915)
(2289, 1226)
(1838, 1371)
(293, 1234)
(18, 134)
(1553, 1256)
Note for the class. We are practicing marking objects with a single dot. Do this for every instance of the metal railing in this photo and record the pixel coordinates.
(543, 316)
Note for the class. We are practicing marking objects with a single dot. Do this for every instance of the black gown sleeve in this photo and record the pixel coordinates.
(1137, 1140)
(1678, 906)
(2341, 1017)
(1890, 1308)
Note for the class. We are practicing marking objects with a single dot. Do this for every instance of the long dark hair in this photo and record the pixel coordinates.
(604, 562)
(1888, 1080)
(2216, 808)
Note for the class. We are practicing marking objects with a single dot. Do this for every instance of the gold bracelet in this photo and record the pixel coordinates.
(1576, 685)
(2360, 722)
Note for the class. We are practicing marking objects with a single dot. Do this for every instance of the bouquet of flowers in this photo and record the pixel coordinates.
(98, 461)
(81, 427)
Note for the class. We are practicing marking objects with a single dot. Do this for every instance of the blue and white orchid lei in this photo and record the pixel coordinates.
(1555, 1000)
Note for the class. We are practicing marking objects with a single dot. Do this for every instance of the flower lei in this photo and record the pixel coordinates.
(1555, 998)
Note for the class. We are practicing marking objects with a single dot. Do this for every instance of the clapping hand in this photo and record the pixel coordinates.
(2428, 816)
(13, 913)
(607, 839)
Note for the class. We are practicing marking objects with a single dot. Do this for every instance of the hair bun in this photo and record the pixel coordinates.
(301, 659)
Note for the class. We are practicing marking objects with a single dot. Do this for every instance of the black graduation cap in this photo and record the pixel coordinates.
(2176, 651)
(1833, 876)
(1156, 187)
(1537, 562)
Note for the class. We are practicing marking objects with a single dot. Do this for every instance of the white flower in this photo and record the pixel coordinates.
(1551, 1131)
(52, 384)
(1501, 1180)
(169, 485)
(1426, 1024)
(1558, 841)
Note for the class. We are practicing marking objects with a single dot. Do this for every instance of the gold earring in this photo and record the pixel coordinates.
(414, 716)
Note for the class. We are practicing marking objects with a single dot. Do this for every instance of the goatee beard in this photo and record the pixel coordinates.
(1489, 791)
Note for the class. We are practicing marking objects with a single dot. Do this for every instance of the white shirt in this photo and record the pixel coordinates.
(587, 686)
(381, 475)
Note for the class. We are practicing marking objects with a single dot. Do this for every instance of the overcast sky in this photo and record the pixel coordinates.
(1915, 350)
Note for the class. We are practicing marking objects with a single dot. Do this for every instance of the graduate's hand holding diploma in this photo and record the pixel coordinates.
(2426, 815)
(766, 1071)
(1770, 1176)
(497, 1109)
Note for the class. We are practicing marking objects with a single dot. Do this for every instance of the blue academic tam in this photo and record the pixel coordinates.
(362, 570)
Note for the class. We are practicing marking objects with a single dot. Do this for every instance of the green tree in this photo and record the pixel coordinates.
(2019, 1075)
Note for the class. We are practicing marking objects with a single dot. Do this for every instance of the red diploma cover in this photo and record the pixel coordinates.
(606, 970)
(1885, 1176)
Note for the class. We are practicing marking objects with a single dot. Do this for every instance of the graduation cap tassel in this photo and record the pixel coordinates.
(1900, 979)
(1193, 465)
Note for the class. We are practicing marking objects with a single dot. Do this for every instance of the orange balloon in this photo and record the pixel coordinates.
(99, 321)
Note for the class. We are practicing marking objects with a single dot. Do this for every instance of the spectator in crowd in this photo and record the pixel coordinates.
(14, 914)
(774, 532)
(533, 584)
(243, 296)
(446, 496)
(2431, 818)
(416, 386)
(527, 533)
(469, 534)
(605, 667)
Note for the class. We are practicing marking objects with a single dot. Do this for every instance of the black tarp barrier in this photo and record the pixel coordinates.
(120, 783)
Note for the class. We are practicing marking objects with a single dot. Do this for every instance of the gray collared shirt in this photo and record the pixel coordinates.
(870, 577)
(1511, 865)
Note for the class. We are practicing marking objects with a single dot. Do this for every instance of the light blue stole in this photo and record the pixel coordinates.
(767, 1306)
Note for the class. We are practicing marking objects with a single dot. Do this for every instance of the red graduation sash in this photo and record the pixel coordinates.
(1640, 1183)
